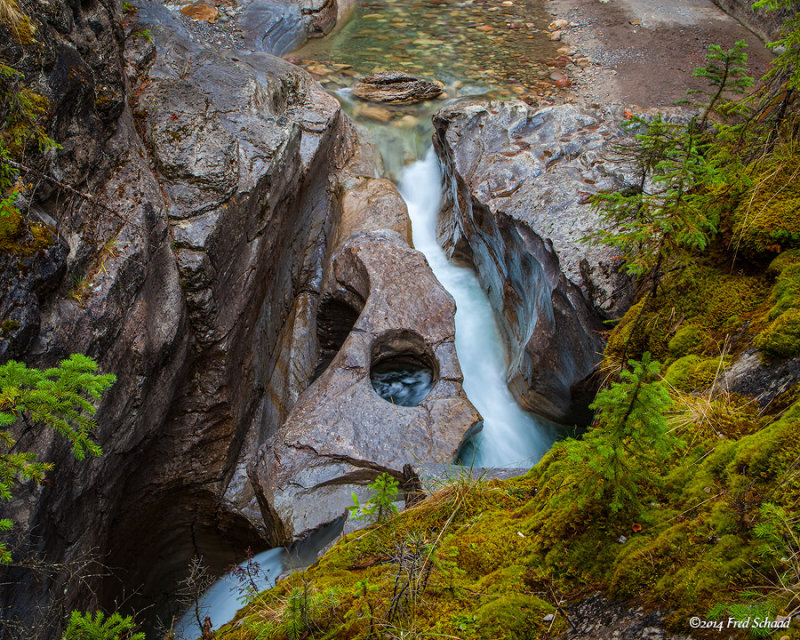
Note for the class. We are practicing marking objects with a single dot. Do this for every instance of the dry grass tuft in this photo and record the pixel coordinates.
(16, 21)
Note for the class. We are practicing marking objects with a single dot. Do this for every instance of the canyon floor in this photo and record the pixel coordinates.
(645, 50)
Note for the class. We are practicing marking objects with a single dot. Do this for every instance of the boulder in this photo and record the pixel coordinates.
(517, 183)
(397, 87)
(340, 434)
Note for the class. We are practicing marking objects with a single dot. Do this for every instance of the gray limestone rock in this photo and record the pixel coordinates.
(599, 618)
(341, 434)
(517, 184)
(273, 27)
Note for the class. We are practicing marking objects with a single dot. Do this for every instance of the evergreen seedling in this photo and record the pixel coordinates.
(629, 436)
(381, 505)
(82, 626)
(726, 73)
(665, 216)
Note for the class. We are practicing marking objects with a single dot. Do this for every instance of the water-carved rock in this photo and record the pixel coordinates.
(517, 181)
(341, 433)
(201, 266)
(220, 274)
(396, 87)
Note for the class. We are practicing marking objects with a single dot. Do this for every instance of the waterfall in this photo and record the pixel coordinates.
(510, 436)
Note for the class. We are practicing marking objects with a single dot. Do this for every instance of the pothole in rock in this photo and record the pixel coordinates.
(335, 321)
(403, 368)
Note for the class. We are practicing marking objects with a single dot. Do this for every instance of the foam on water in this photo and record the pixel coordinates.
(510, 436)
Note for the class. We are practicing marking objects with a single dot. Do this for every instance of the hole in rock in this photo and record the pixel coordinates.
(403, 369)
(335, 320)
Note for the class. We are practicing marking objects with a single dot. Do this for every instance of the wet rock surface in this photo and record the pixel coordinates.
(199, 271)
(35, 276)
(219, 276)
(598, 618)
(273, 27)
(517, 182)
(750, 375)
(340, 434)
(396, 87)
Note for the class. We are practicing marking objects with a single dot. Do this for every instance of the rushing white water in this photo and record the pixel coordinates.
(510, 436)
(222, 600)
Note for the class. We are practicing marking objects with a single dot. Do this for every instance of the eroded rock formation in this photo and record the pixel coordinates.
(517, 181)
(340, 434)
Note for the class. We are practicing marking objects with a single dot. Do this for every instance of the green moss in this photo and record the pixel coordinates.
(20, 237)
(502, 549)
(8, 326)
(781, 337)
(512, 617)
(694, 373)
(10, 227)
(687, 339)
(21, 27)
(698, 310)
(767, 220)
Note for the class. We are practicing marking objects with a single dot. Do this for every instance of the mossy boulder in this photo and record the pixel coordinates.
(694, 373)
(700, 309)
(688, 339)
(511, 616)
(10, 227)
(767, 219)
(781, 337)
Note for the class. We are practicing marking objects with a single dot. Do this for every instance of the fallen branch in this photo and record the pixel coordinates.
(69, 189)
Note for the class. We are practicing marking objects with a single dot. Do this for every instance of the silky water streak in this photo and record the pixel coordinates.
(511, 437)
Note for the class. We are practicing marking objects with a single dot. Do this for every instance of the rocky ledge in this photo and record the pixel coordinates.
(517, 185)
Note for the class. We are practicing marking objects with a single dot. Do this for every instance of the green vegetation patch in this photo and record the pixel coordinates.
(767, 218)
(692, 372)
(781, 337)
(699, 310)
(501, 553)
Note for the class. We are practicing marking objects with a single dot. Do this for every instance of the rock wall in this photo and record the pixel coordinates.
(199, 263)
(215, 270)
(517, 181)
